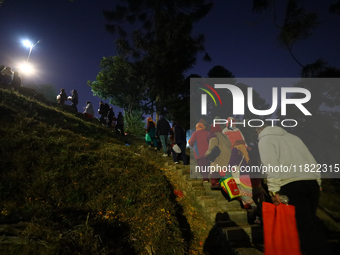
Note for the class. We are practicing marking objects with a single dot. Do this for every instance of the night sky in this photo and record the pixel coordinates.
(74, 41)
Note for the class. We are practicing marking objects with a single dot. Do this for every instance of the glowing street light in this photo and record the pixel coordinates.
(26, 68)
(30, 45)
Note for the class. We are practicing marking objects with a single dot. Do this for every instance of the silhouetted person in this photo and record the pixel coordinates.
(103, 110)
(120, 123)
(16, 82)
(163, 130)
(62, 97)
(2, 67)
(6, 78)
(110, 116)
(74, 99)
(89, 112)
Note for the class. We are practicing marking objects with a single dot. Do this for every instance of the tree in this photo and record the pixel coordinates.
(163, 43)
(226, 109)
(297, 25)
(120, 81)
(323, 125)
(221, 72)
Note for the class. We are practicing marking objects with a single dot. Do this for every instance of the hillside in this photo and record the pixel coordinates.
(71, 186)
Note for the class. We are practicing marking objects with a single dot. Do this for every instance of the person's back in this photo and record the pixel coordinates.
(179, 133)
(278, 147)
(89, 110)
(298, 179)
(7, 76)
(63, 97)
(120, 119)
(163, 127)
(74, 99)
(16, 82)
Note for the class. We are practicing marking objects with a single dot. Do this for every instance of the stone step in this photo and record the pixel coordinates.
(238, 217)
(217, 194)
(194, 183)
(212, 209)
(248, 251)
(229, 205)
(199, 191)
(238, 236)
(206, 201)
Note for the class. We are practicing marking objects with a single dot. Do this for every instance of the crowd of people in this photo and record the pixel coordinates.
(107, 115)
(275, 147)
(216, 145)
(8, 78)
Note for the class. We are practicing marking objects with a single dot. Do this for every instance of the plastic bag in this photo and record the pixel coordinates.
(280, 232)
(230, 187)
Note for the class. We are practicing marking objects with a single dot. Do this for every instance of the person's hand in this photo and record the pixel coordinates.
(276, 199)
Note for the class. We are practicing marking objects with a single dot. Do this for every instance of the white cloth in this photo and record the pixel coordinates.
(279, 148)
(89, 109)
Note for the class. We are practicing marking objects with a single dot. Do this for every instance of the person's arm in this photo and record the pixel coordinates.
(192, 140)
(212, 143)
(269, 158)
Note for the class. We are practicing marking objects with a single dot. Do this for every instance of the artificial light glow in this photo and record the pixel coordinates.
(27, 43)
(26, 68)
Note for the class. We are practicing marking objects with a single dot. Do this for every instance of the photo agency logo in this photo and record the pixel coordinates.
(215, 90)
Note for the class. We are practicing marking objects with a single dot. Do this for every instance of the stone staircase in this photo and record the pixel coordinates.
(229, 216)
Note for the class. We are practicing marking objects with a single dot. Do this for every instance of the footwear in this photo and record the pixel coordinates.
(164, 155)
(176, 162)
(155, 148)
(258, 220)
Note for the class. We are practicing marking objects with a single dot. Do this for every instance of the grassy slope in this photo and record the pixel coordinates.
(82, 190)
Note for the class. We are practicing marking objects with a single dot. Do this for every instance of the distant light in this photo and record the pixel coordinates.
(26, 68)
(27, 43)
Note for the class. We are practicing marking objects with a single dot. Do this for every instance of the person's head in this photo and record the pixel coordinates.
(62, 90)
(230, 123)
(161, 117)
(88, 102)
(100, 102)
(199, 126)
(259, 129)
(74, 91)
(175, 123)
(16, 73)
(148, 119)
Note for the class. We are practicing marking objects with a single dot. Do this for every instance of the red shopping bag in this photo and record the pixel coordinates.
(280, 232)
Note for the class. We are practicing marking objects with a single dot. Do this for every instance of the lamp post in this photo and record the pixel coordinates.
(27, 43)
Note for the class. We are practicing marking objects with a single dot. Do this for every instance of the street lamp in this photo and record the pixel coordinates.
(27, 43)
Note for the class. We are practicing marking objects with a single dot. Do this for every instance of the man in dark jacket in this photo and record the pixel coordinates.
(110, 116)
(74, 99)
(103, 110)
(163, 130)
(120, 123)
(180, 140)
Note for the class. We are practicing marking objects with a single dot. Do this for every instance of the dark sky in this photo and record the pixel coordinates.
(74, 41)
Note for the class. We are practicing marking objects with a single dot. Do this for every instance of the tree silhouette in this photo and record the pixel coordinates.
(297, 24)
(121, 82)
(162, 40)
(323, 125)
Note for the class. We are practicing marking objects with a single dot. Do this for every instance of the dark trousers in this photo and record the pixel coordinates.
(304, 195)
(121, 128)
(181, 145)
